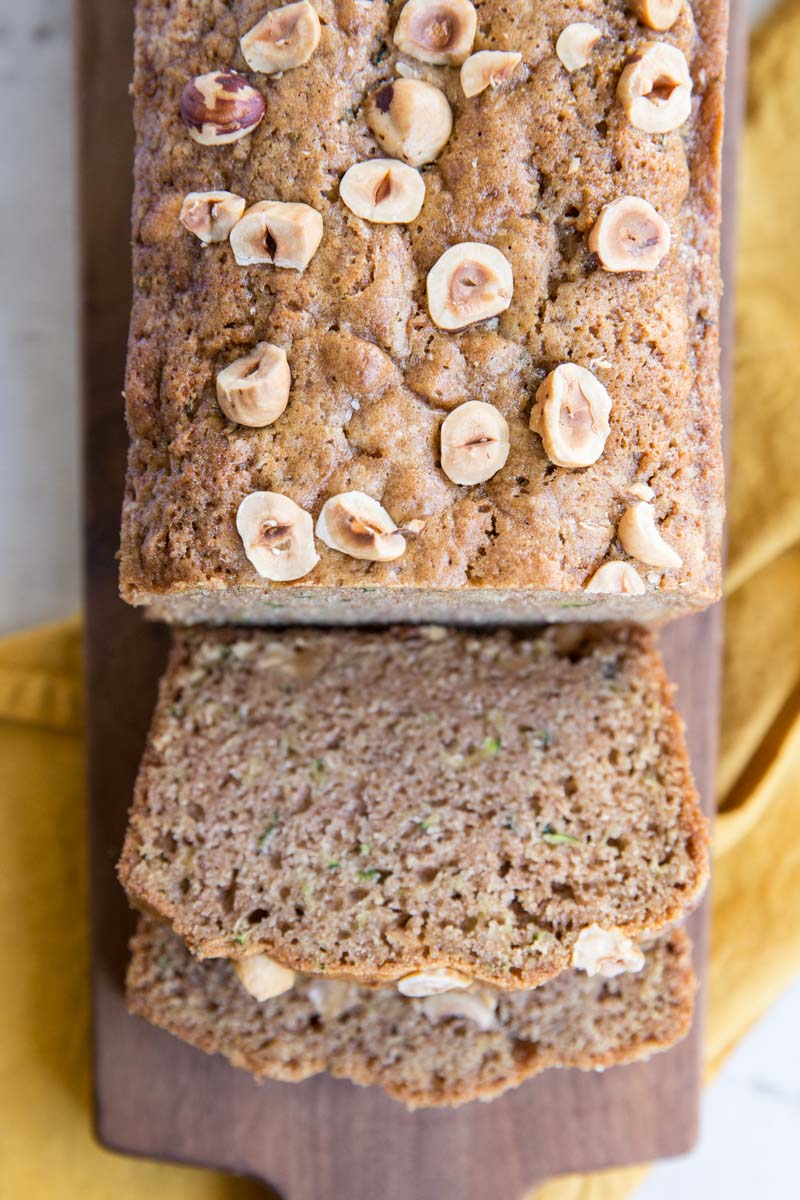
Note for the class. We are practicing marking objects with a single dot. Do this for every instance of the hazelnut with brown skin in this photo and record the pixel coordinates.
(470, 282)
(629, 235)
(437, 31)
(383, 190)
(284, 234)
(655, 88)
(411, 119)
(277, 535)
(285, 38)
(211, 216)
(220, 107)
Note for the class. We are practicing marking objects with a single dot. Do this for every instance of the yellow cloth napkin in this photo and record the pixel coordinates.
(46, 1147)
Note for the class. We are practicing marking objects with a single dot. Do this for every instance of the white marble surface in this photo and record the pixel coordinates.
(751, 1115)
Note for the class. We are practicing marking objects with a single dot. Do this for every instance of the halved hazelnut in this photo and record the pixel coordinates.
(286, 235)
(576, 43)
(277, 535)
(284, 38)
(264, 978)
(355, 524)
(571, 416)
(656, 88)
(432, 982)
(383, 190)
(332, 997)
(211, 215)
(254, 390)
(475, 442)
(629, 235)
(657, 14)
(488, 68)
(220, 107)
(470, 282)
(411, 119)
(605, 952)
(616, 579)
(471, 1006)
(640, 538)
(437, 31)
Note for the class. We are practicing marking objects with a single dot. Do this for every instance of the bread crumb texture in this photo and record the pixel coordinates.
(420, 1058)
(366, 804)
(527, 169)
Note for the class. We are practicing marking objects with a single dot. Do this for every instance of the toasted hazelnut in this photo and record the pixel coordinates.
(629, 235)
(655, 88)
(211, 215)
(488, 68)
(355, 524)
(477, 1007)
(332, 997)
(616, 579)
(411, 119)
(277, 535)
(284, 38)
(254, 390)
(470, 282)
(432, 982)
(576, 43)
(475, 442)
(264, 978)
(437, 31)
(571, 416)
(657, 14)
(286, 235)
(605, 952)
(220, 107)
(640, 538)
(383, 190)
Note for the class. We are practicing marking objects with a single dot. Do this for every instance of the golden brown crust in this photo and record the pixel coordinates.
(525, 542)
(570, 1022)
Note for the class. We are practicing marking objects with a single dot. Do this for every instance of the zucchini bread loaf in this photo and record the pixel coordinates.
(440, 1050)
(425, 310)
(368, 805)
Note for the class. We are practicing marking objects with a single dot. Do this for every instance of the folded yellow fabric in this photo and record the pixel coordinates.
(46, 1147)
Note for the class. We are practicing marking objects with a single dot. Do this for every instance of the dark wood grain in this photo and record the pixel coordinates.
(323, 1139)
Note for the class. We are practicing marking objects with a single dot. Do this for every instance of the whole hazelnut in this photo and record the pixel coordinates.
(211, 216)
(571, 416)
(383, 190)
(437, 31)
(629, 235)
(656, 88)
(285, 38)
(220, 107)
(474, 441)
(411, 119)
(470, 282)
(254, 390)
(284, 234)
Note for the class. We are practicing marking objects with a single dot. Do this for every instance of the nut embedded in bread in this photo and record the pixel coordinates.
(383, 190)
(474, 442)
(576, 43)
(440, 32)
(411, 119)
(616, 579)
(641, 538)
(657, 14)
(629, 235)
(285, 38)
(488, 68)
(655, 88)
(356, 524)
(470, 282)
(254, 389)
(210, 216)
(571, 416)
(286, 234)
(220, 107)
(277, 536)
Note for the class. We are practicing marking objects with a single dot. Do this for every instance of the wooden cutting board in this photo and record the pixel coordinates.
(323, 1139)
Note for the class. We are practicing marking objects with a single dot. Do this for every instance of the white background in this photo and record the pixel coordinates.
(751, 1116)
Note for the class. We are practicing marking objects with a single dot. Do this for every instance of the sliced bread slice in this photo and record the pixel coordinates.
(365, 804)
(443, 1050)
